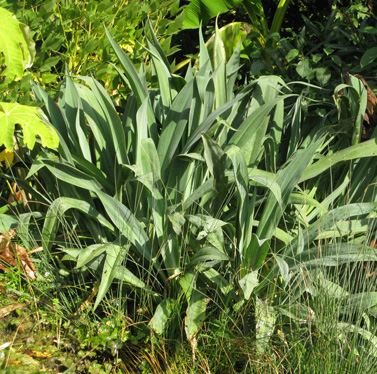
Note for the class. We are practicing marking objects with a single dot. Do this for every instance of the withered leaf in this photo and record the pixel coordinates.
(11, 253)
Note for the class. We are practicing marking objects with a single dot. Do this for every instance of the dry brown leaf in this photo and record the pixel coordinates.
(18, 194)
(10, 308)
(11, 253)
(370, 115)
(37, 354)
(86, 303)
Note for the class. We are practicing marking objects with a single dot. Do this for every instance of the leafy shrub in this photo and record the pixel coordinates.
(69, 35)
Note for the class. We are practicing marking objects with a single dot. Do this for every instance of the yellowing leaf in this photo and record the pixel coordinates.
(6, 156)
(30, 121)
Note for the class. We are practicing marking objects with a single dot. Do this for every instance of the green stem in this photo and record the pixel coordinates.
(279, 15)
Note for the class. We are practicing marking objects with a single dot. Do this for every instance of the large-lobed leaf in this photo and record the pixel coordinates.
(30, 121)
(16, 45)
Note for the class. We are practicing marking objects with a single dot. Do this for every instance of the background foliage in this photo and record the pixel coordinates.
(69, 35)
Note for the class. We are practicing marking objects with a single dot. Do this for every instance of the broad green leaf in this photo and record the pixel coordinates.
(208, 254)
(219, 65)
(292, 54)
(331, 289)
(112, 118)
(347, 227)
(149, 160)
(131, 73)
(206, 187)
(254, 124)
(283, 267)
(323, 75)
(256, 252)
(52, 110)
(96, 119)
(30, 121)
(187, 282)
(16, 45)
(210, 228)
(162, 69)
(368, 57)
(161, 316)
(303, 69)
(91, 170)
(7, 222)
(208, 121)
(195, 315)
(267, 181)
(125, 275)
(203, 10)
(171, 254)
(25, 228)
(218, 280)
(149, 174)
(279, 15)
(231, 34)
(177, 220)
(204, 59)
(90, 253)
(137, 86)
(303, 199)
(174, 126)
(248, 283)
(363, 301)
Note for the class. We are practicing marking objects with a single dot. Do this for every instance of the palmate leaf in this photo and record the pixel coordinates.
(31, 123)
(16, 45)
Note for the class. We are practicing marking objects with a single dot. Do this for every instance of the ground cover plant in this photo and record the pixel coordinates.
(208, 226)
